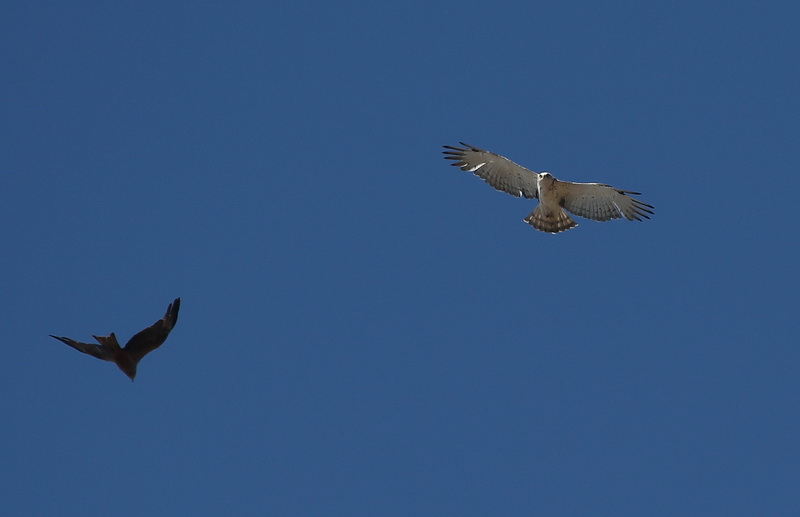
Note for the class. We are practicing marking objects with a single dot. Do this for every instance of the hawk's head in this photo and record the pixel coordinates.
(546, 179)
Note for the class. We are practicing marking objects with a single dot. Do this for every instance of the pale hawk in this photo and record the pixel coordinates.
(591, 200)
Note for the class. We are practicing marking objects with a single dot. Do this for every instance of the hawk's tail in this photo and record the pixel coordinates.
(549, 220)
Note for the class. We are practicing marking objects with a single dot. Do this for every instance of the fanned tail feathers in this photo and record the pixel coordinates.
(550, 221)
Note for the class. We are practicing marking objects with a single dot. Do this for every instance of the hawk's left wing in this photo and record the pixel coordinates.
(498, 171)
(602, 202)
(153, 336)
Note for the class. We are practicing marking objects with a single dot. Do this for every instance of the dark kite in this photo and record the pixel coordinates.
(140, 345)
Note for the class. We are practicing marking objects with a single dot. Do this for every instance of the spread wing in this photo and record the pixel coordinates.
(154, 336)
(497, 171)
(602, 202)
(87, 348)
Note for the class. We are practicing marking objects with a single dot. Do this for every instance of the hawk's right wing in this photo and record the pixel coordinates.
(602, 202)
(496, 170)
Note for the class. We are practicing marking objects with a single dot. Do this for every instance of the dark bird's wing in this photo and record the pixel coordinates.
(154, 336)
(496, 170)
(97, 351)
(602, 202)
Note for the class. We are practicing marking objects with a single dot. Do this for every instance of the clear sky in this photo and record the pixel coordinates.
(366, 330)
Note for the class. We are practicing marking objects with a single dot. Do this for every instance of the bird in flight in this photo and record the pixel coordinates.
(138, 346)
(591, 200)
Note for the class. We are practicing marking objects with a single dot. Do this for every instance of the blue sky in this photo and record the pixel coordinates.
(366, 330)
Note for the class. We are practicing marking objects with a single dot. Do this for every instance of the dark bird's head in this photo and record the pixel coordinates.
(127, 366)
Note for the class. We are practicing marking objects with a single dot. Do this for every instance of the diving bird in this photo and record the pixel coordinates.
(591, 200)
(138, 346)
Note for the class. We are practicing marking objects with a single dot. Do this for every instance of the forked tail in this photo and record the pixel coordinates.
(109, 342)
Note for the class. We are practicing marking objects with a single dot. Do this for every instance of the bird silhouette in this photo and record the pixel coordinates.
(141, 344)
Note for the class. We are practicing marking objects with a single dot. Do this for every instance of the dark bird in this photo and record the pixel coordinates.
(591, 200)
(140, 345)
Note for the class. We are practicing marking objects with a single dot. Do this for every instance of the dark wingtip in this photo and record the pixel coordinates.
(466, 147)
(174, 307)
